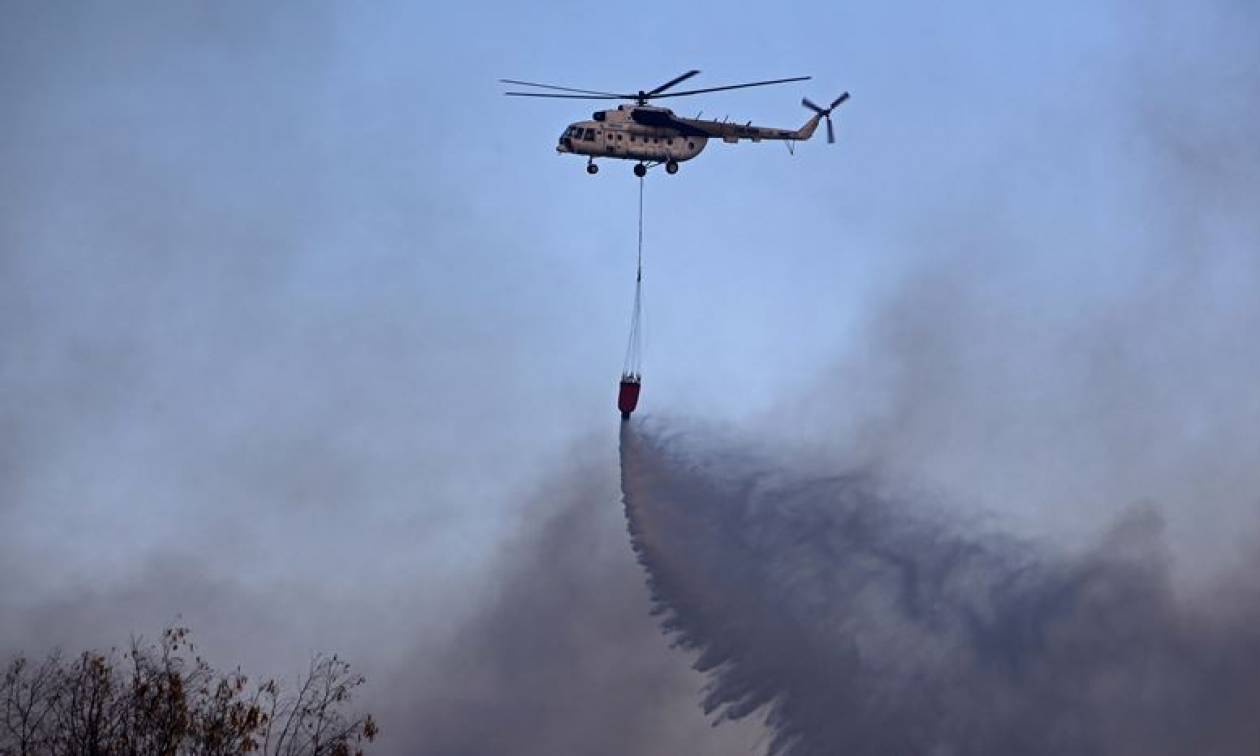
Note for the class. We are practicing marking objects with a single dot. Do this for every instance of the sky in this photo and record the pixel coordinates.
(307, 333)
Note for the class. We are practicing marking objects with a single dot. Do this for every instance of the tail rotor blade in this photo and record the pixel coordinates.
(825, 113)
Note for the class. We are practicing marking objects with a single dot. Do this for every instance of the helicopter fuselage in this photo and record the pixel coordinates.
(617, 134)
(654, 135)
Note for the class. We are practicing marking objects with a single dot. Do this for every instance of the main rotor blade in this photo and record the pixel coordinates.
(831, 133)
(672, 82)
(569, 97)
(560, 89)
(733, 86)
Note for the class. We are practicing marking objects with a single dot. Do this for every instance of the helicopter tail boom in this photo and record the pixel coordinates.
(734, 132)
(805, 132)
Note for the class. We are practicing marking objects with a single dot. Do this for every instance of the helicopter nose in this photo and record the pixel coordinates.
(565, 145)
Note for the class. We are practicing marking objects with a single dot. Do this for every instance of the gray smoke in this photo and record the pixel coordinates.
(858, 620)
(564, 657)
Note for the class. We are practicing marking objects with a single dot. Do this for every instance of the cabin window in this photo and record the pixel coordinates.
(590, 134)
(670, 141)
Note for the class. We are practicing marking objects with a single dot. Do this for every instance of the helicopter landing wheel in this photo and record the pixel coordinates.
(671, 167)
(592, 169)
(640, 170)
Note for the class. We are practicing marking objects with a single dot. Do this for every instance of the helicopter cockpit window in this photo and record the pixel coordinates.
(590, 133)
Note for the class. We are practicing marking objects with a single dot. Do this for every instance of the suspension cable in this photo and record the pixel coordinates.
(634, 344)
(639, 274)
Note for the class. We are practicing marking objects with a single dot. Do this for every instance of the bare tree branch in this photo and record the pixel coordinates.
(162, 699)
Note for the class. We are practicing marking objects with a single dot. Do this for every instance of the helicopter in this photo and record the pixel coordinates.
(653, 135)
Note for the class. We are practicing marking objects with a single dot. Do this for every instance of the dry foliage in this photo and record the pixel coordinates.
(162, 699)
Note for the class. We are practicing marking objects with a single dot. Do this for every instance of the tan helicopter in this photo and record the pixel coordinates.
(654, 135)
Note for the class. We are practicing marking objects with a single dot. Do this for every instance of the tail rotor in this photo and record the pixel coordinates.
(826, 113)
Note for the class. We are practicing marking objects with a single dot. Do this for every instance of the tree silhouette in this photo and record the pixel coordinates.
(161, 699)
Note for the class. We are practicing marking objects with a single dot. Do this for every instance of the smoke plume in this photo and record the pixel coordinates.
(563, 657)
(859, 620)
